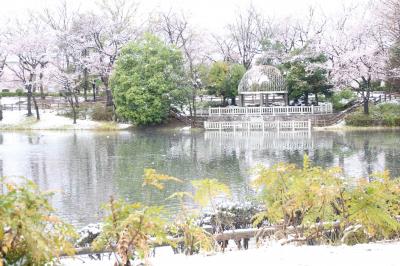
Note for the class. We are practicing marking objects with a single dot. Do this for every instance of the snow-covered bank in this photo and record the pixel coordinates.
(49, 120)
(382, 254)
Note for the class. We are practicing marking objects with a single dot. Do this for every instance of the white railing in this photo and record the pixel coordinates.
(273, 110)
(258, 140)
(258, 125)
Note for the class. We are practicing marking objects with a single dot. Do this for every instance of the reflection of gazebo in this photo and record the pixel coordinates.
(260, 82)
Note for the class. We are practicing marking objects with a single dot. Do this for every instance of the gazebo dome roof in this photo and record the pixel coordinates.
(262, 78)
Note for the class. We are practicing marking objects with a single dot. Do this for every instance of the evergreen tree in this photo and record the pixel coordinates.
(147, 80)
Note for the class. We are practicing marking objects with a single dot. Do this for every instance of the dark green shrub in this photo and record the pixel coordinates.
(19, 92)
(8, 94)
(101, 113)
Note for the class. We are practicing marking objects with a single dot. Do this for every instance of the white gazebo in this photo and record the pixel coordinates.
(263, 83)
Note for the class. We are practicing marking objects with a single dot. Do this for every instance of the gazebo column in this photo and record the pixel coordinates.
(261, 99)
(266, 100)
(286, 98)
(241, 100)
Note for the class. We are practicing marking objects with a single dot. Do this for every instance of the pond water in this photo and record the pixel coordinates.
(86, 168)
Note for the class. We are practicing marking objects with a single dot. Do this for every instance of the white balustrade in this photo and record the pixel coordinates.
(273, 110)
(258, 125)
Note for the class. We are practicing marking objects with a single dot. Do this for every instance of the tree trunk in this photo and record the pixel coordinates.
(316, 98)
(366, 106)
(233, 99)
(94, 91)
(194, 115)
(70, 99)
(36, 107)
(29, 99)
(76, 100)
(85, 83)
(41, 86)
(109, 99)
(306, 98)
(74, 113)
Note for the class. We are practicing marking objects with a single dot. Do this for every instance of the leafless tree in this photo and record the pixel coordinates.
(176, 30)
(246, 34)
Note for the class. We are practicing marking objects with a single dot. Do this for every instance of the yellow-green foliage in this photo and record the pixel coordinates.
(128, 228)
(152, 178)
(209, 189)
(30, 234)
(305, 196)
(375, 205)
(195, 238)
(132, 229)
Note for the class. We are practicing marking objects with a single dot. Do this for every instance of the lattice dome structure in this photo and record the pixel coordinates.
(262, 79)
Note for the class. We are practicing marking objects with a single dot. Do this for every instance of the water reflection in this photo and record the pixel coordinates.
(88, 167)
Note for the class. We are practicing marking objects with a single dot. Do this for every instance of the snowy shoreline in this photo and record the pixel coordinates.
(372, 254)
(49, 120)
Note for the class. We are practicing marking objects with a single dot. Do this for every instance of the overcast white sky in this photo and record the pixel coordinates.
(207, 14)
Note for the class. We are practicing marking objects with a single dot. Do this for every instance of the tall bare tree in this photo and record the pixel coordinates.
(246, 34)
(176, 30)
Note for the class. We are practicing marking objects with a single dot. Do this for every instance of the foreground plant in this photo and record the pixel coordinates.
(316, 204)
(30, 233)
(190, 237)
(131, 230)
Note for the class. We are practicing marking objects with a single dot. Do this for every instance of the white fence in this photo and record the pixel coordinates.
(258, 140)
(258, 125)
(273, 110)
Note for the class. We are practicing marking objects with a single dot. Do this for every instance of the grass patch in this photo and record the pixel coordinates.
(108, 126)
(384, 115)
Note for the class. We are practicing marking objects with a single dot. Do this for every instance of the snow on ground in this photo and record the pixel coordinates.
(375, 254)
(50, 120)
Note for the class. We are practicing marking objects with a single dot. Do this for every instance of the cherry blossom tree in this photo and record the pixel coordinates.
(107, 33)
(357, 54)
(32, 45)
(3, 57)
